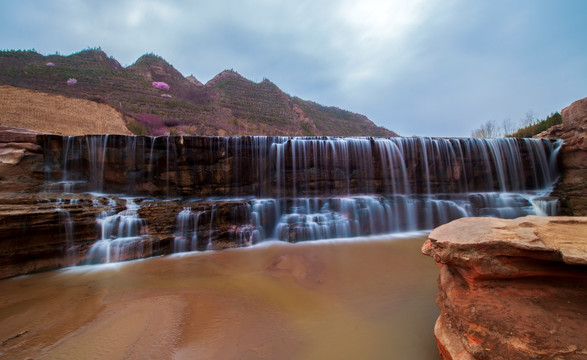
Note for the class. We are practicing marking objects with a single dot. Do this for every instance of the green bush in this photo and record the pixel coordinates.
(534, 129)
(137, 128)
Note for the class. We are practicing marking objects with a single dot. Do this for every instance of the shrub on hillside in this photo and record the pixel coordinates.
(137, 128)
(152, 124)
(537, 128)
(172, 122)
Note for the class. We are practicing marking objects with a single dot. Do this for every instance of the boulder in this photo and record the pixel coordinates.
(511, 289)
(572, 185)
(575, 115)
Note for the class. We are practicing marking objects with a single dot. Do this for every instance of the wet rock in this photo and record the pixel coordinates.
(511, 289)
(44, 231)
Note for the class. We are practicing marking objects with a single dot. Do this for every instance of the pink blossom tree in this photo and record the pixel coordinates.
(160, 85)
(71, 81)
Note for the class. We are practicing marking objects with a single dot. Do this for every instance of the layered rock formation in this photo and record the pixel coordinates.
(572, 186)
(511, 289)
(21, 160)
(44, 231)
(100, 198)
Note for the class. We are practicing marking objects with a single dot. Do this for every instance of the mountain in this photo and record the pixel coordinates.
(228, 104)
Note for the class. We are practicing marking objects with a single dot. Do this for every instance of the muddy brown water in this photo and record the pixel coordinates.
(344, 299)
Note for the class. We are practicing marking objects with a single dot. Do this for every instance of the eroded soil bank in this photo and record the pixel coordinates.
(370, 299)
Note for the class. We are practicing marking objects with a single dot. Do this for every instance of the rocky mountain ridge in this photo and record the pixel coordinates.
(228, 104)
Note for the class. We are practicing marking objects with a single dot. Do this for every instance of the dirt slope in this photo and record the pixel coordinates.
(57, 114)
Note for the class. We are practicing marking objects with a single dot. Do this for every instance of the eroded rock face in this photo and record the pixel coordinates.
(572, 186)
(511, 289)
(21, 160)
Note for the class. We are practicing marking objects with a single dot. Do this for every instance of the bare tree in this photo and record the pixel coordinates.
(529, 119)
(508, 127)
(488, 130)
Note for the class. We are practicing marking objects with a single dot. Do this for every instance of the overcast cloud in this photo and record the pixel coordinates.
(424, 67)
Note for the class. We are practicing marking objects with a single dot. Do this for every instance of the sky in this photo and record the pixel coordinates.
(419, 67)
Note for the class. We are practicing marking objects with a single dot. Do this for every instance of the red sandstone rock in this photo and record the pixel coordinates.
(575, 115)
(21, 160)
(572, 186)
(511, 289)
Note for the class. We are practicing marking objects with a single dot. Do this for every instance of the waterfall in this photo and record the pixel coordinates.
(211, 231)
(186, 235)
(67, 223)
(97, 147)
(120, 236)
(304, 188)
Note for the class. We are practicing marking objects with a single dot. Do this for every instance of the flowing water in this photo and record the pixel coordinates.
(343, 299)
(300, 188)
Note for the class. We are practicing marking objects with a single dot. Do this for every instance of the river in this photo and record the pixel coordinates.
(365, 298)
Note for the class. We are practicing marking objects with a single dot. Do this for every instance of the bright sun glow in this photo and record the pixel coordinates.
(372, 28)
(376, 20)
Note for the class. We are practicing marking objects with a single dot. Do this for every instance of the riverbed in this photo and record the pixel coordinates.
(366, 298)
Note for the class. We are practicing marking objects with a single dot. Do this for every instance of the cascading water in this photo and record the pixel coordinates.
(211, 231)
(186, 235)
(67, 223)
(424, 182)
(309, 188)
(121, 235)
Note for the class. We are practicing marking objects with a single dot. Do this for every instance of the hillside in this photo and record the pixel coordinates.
(57, 114)
(228, 104)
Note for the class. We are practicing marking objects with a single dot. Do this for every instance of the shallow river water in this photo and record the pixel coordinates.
(345, 299)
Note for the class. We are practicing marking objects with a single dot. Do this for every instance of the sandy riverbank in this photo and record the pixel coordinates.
(368, 299)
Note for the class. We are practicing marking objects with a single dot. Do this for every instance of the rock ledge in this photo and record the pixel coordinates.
(511, 289)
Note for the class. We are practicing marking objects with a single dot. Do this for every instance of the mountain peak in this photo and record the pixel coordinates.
(150, 59)
(154, 68)
(192, 79)
(91, 57)
(224, 76)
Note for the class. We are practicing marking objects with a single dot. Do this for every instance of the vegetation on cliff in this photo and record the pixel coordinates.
(538, 127)
(527, 127)
(228, 104)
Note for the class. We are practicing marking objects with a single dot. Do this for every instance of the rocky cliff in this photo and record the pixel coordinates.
(228, 104)
(572, 186)
(511, 289)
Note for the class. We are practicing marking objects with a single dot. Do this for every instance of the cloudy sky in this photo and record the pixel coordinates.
(419, 67)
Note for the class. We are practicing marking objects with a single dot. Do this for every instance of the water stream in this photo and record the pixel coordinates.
(299, 189)
(337, 299)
